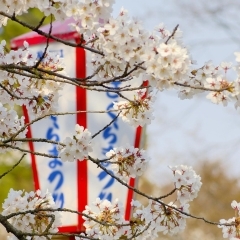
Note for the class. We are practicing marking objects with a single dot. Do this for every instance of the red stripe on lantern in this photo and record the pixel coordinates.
(81, 104)
(31, 147)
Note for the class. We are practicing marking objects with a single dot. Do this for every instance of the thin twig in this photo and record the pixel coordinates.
(14, 166)
(28, 151)
(168, 194)
(47, 45)
(172, 35)
(105, 127)
(41, 22)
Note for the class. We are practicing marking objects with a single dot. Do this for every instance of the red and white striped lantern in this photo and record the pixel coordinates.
(77, 184)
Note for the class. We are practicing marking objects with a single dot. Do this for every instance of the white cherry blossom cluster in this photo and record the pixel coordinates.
(215, 81)
(166, 63)
(197, 78)
(231, 227)
(158, 218)
(78, 147)
(187, 183)
(32, 90)
(28, 212)
(146, 222)
(219, 96)
(88, 11)
(222, 90)
(105, 220)
(10, 124)
(160, 57)
(168, 219)
(137, 111)
(121, 41)
(127, 162)
(89, 15)
(162, 60)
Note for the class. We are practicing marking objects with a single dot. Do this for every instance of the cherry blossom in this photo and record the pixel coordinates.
(138, 111)
(111, 217)
(88, 11)
(39, 95)
(78, 147)
(127, 161)
(159, 218)
(187, 183)
(231, 227)
(10, 124)
(20, 204)
(219, 83)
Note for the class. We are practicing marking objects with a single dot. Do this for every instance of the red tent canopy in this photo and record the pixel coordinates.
(59, 29)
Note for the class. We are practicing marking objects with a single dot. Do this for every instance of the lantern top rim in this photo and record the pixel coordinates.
(60, 29)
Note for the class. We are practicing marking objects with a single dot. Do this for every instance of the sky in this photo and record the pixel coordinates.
(189, 131)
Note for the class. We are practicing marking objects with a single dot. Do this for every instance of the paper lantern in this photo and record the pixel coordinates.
(77, 184)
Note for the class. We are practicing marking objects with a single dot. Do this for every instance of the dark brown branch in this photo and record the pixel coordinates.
(35, 29)
(19, 234)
